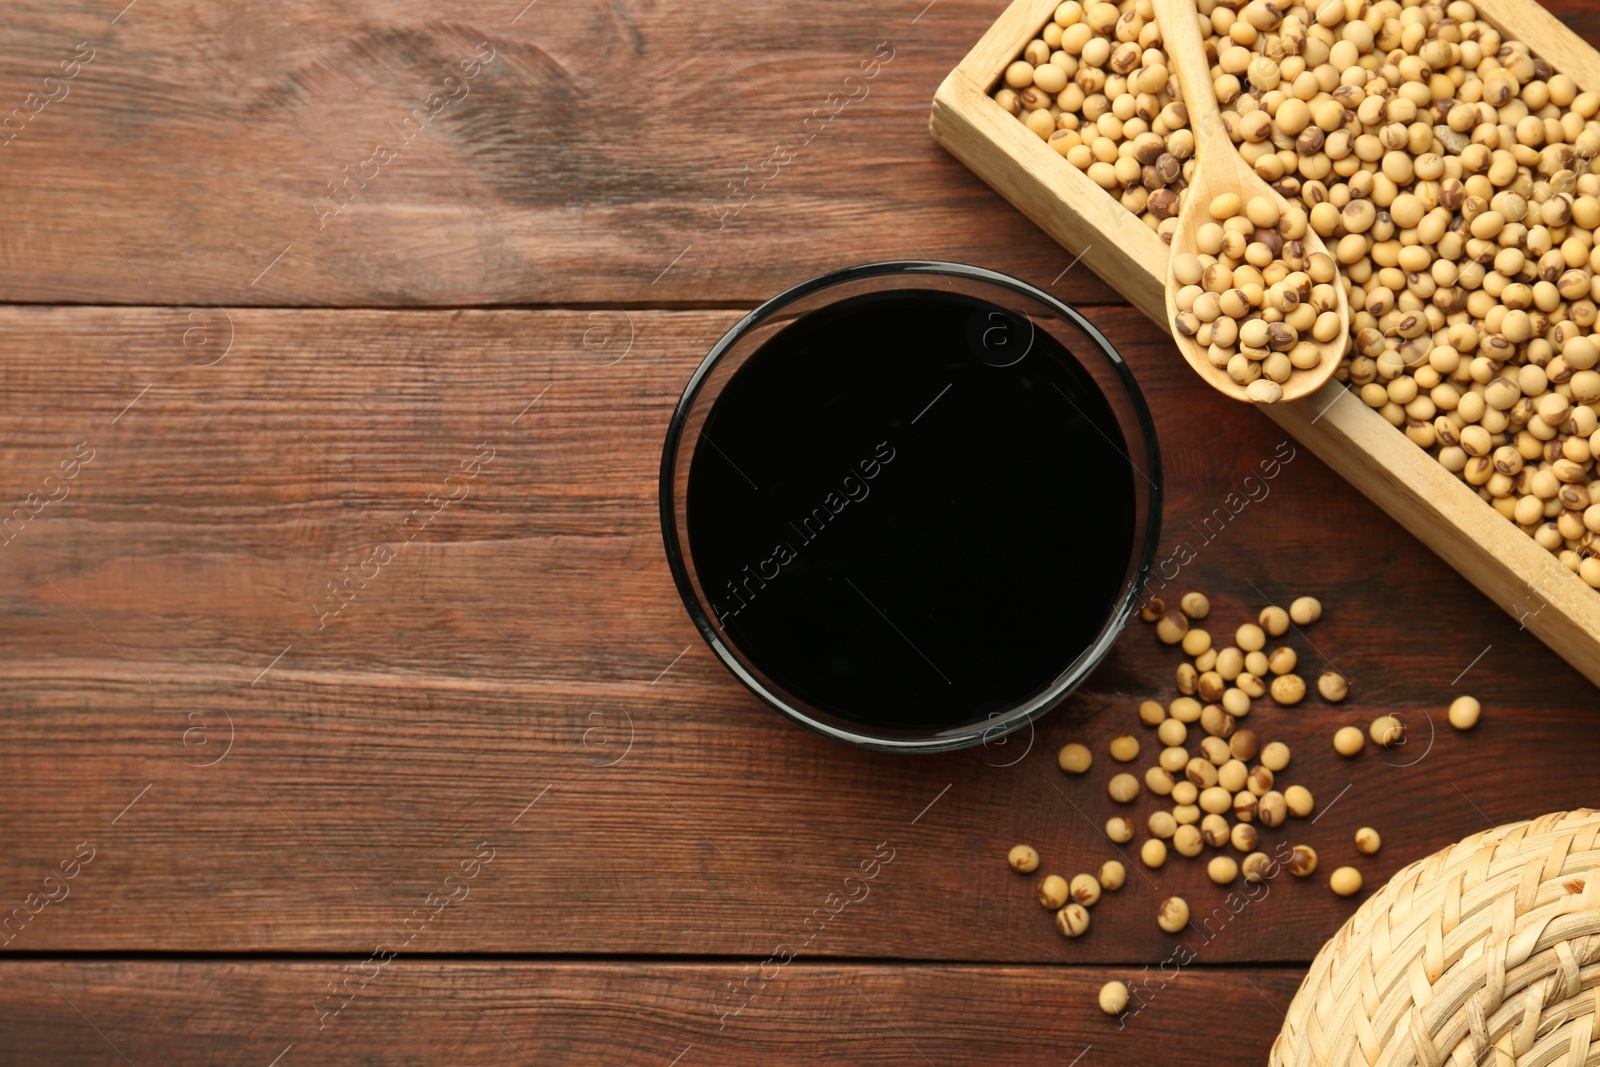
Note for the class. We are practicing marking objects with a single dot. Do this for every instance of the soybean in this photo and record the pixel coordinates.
(1189, 841)
(1345, 881)
(1123, 788)
(1305, 610)
(1084, 889)
(1074, 758)
(1222, 869)
(1172, 627)
(1072, 920)
(1112, 876)
(1387, 730)
(1302, 861)
(1299, 801)
(1173, 915)
(1288, 689)
(1274, 620)
(1464, 712)
(1113, 998)
(1258, 867)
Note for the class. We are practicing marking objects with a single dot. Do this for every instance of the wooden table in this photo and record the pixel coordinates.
(397, 298)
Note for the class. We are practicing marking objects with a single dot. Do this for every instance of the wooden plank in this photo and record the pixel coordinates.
(663, 1014)
(532, 629)
(1422, 496)
(136, 188)
(559, 174)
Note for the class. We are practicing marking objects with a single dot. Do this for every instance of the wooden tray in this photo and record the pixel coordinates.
(1353, 439)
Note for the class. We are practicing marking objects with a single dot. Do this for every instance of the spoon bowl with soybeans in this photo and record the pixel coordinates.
(1254, 298)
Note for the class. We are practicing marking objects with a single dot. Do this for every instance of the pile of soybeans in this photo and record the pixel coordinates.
(1452, 173)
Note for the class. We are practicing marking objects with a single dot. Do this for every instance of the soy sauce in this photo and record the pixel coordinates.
(911, 510)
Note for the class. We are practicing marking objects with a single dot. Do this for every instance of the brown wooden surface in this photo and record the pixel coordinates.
(595, 149)
(584, 1013)
(512, 645)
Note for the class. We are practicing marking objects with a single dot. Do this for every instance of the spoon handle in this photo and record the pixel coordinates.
(1180, 35)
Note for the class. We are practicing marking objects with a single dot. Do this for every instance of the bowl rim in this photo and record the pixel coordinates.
(1116, 617)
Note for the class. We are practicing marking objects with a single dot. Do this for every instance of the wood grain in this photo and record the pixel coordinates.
(255, 785)
(509, 648)
(598, 149)
(567, 188)
(644, 1013)
(1440, 509)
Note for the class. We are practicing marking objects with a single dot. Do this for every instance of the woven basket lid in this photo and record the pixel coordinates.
(1486, 954)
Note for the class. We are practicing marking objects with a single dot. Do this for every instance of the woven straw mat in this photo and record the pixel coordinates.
(1487, 953)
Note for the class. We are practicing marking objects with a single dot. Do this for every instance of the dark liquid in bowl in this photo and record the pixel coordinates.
(898, 530)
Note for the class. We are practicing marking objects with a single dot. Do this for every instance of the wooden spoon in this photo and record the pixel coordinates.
(1220, 169)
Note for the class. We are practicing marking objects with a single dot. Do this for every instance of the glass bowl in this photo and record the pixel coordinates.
(1023, 303)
